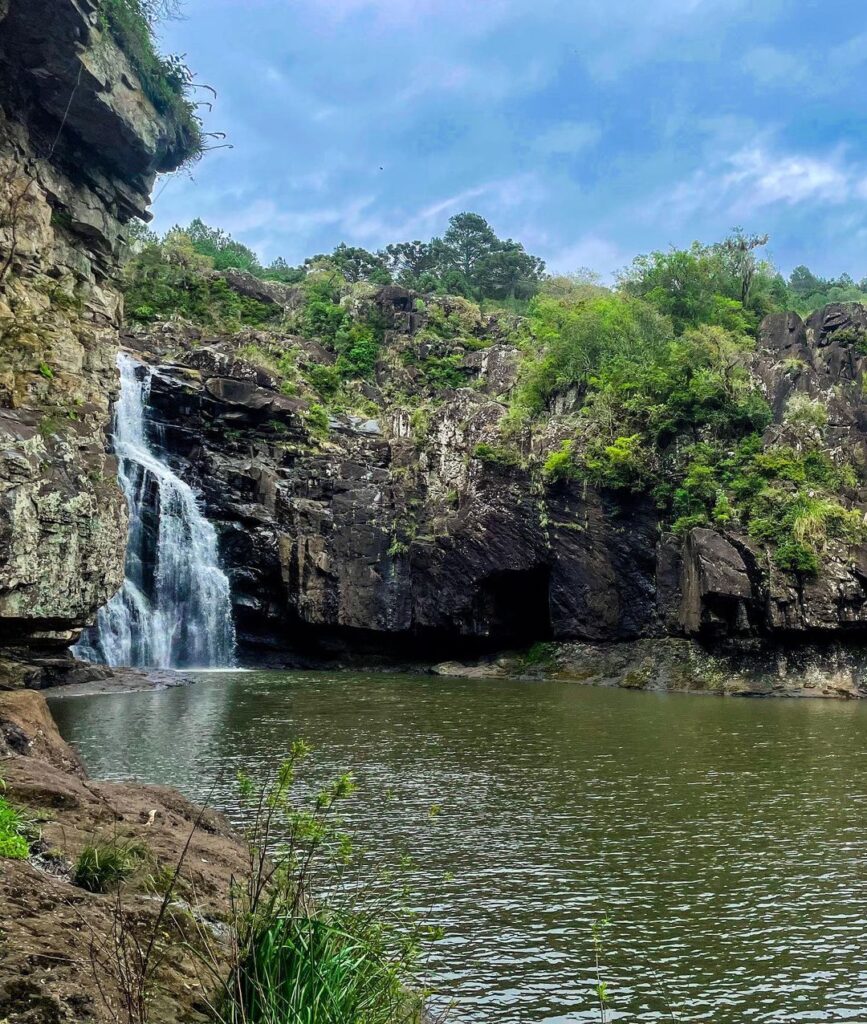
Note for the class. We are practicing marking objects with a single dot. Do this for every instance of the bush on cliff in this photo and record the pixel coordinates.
(171, 278)
(786, 498)
(164, 78)
(665, 403)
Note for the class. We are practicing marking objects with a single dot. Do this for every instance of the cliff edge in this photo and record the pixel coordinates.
(80, 144)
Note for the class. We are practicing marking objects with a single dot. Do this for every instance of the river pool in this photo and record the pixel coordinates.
(725, 839)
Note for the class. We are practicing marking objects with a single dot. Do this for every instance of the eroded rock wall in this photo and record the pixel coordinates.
(80, 144)
(386, 533)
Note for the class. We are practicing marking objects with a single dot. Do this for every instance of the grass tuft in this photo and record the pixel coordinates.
(13, 844)
(103, 865)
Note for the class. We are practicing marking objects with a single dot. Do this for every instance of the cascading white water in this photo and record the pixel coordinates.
(174, 608)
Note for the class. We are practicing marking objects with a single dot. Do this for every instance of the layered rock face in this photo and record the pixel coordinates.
(80, 145)
(729, 584)
(417, 537)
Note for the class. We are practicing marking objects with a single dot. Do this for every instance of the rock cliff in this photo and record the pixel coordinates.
(80, 144)
(421, 537)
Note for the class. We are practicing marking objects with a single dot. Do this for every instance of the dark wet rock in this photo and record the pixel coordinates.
(379, 538)
(715, 587)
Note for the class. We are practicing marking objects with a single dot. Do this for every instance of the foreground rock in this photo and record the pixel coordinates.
(57, 940)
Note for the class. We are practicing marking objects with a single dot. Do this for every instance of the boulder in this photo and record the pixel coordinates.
(715, 587)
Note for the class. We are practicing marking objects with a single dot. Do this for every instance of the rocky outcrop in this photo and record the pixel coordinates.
(80, 144)
(59, 958)
(742, 668)
(415, 534)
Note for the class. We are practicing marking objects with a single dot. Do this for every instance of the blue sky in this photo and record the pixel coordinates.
(590, 131)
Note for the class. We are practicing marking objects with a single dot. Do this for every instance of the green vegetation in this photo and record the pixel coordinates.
(664, 402)
(782, 497)
(317, 420)
(101, 865)
(13, 841)
(806, 292)
(165, 79)
(299, 958)
(469, 261)
(650, 378)
(172, 278)
(497, 455)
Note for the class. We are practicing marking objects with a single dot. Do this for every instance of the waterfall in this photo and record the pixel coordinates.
(174, 608)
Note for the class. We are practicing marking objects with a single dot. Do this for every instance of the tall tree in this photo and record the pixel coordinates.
(354, 264)
(508, 272)
(739, 256)
(803, 281)
(409, 261)
(469, 238)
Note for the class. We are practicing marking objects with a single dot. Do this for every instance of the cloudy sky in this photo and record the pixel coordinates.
(590, 130)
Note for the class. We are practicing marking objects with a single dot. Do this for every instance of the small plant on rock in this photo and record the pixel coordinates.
(13, 843)
(102, 865)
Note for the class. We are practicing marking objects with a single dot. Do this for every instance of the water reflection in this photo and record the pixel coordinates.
(724, 838)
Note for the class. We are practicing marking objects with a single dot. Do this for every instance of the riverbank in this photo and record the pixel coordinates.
(59, 955)
(128, 903)
(740, 668)
(744, 668)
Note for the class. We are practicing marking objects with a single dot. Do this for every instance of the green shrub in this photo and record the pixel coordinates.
(102, 865)
(13, 843)
(683, 524)
(317, 420)
(803, 411)
(325, 379)
(358, 349)
(851, 335)
(495, 455)
(560, 464)
(623, 465)
(444, 371)
(796, 558)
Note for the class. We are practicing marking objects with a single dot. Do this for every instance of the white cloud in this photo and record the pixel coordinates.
(756, 177)
(770, 66)
(762, 178)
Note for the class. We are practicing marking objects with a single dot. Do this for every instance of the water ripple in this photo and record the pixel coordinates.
(724, 839)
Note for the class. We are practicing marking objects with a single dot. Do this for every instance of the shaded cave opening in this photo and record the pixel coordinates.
(512, 606)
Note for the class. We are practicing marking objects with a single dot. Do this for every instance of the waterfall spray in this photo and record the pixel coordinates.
(174, 608)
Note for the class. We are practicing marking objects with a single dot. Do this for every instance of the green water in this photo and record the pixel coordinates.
(725, 839)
